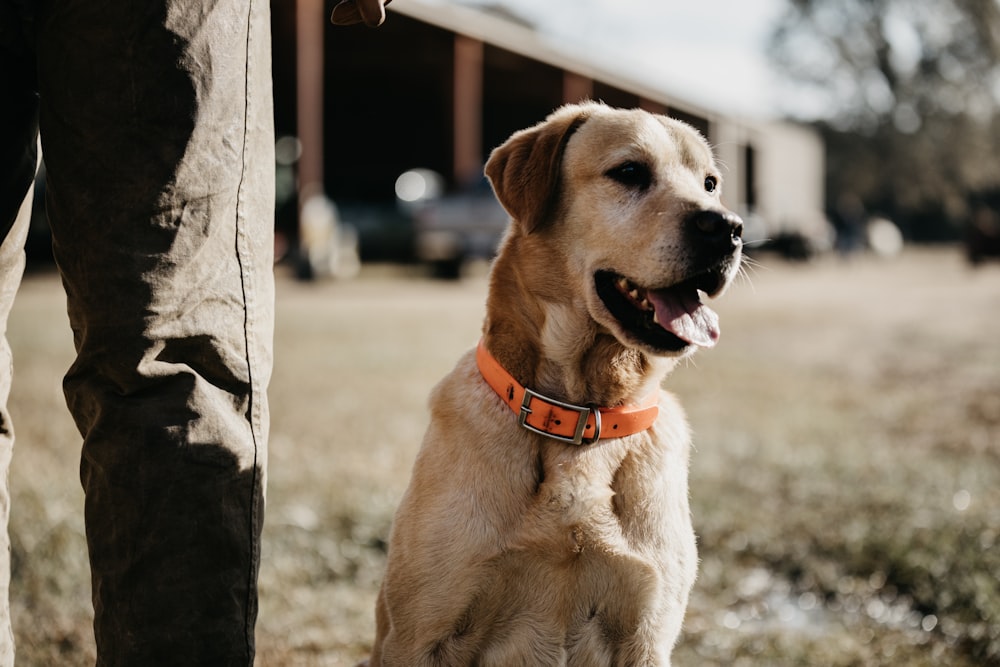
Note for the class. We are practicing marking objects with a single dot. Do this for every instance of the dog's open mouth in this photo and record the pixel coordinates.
(668, 319)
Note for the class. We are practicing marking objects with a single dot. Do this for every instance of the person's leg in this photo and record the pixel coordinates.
(156, 125)
(18, 162)
(11, 270)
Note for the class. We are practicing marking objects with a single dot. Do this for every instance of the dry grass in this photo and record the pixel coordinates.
(846, 485)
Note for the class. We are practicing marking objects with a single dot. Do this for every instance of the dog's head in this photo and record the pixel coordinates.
(628, 202)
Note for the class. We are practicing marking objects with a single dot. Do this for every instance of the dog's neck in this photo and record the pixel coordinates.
(555, 347)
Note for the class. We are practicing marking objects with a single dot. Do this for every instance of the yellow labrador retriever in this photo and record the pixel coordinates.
(546, 522)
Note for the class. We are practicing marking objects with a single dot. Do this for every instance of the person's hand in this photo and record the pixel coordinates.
(349, 12)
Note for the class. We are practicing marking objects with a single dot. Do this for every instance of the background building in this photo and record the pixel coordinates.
(439, 85)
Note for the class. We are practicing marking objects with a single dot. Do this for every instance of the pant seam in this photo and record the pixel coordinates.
(246, 277)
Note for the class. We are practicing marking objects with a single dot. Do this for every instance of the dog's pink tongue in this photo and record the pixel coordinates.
(682, 313)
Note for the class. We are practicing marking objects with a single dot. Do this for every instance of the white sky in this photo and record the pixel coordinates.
(709, 52)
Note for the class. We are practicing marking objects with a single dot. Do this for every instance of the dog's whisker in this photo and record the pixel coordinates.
(751, 266)
(747, 266)
(690, 362)
(747, 262)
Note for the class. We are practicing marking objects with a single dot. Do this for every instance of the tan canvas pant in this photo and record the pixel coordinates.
(156, 130)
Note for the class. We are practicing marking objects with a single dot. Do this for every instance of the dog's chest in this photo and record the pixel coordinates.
(587, 561)
(577, 508)
(575, 504)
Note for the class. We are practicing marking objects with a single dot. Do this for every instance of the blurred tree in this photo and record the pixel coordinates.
(907, 95)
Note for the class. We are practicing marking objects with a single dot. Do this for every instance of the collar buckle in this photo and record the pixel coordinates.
(582, 416)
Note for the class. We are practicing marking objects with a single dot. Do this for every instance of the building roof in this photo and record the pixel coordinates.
(499, 27)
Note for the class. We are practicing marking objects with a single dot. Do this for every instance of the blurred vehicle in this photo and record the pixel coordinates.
(982, 237)
(450, 229)
(799, 240)
(384, 232)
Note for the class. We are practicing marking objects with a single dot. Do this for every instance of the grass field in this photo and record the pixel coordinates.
(845, 486)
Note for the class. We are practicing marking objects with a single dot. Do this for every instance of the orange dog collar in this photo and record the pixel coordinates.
(561, 421)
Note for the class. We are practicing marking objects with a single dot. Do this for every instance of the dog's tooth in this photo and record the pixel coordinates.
(645, 304)
(634, 294)
(656, 320)
(623, 284)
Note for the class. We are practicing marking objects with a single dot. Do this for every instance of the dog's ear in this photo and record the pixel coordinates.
(524, 170)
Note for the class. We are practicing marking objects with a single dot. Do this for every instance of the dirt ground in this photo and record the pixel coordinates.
(845, 486)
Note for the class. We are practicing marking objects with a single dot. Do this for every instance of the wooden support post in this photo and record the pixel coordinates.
(310, 19)
(467, 158)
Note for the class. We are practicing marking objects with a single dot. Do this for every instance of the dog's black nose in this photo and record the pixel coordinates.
(720, 230)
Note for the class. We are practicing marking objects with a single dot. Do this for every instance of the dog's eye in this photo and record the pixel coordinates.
(711, 183)
(632, 174)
